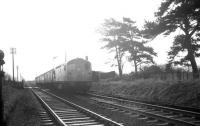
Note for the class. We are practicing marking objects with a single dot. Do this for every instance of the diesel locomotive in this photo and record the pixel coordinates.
(73, 76)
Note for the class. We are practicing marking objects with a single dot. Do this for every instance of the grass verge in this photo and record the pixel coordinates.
(185, 93)
(20, 107)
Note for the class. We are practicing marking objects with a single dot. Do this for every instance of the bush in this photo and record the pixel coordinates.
(153, 90)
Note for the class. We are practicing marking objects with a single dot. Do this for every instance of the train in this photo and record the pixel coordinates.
(73, 76)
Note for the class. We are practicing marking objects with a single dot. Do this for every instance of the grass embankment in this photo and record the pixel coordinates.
(176, 93)
(20, 107)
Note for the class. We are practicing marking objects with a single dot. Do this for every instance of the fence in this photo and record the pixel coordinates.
(177, 76)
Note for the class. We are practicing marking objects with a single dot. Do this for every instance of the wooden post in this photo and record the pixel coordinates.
(1, 100)
(1, 84)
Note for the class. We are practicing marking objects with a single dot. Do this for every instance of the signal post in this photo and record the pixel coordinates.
(1, 84)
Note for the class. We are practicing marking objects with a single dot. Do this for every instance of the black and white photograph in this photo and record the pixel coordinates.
(100, 62)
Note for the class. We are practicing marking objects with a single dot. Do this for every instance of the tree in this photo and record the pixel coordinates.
(174, 15)
(111, 34)
(135, 45)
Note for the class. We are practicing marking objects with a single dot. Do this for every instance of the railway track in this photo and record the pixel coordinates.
(60, 112)
(152, 114)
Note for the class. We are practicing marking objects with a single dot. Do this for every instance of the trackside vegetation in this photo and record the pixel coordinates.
(184, 93)
(128, 42)
(20, 107)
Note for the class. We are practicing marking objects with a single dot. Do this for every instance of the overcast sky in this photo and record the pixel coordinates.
(43, 29)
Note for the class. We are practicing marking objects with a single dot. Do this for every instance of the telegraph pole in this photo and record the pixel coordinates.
(17, 72)
(65, 56)
(13, 51)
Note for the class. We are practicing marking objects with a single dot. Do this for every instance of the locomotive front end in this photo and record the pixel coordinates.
(79, 74)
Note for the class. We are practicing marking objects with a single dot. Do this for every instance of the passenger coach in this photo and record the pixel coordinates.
(73, 76)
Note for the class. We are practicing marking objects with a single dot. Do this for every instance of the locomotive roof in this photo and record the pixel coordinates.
(77, 60)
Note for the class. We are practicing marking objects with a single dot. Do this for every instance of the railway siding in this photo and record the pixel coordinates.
(168, 116)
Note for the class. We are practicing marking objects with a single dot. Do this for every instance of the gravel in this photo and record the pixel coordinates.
(117, 116)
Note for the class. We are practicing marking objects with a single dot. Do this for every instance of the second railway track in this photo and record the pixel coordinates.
(60, 112)
(154, 114)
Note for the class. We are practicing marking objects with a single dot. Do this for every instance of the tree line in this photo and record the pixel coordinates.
(124, 38)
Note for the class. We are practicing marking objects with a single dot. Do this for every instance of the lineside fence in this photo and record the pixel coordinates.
(166, 76)
(173, 76)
